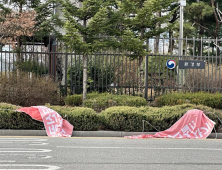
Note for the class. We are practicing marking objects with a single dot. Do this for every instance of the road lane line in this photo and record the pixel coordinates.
(6, 161)
(83, 147)
(23, 150)
(10, 166)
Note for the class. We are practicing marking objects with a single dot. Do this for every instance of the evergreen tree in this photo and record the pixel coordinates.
(143, 19)
(86, 23)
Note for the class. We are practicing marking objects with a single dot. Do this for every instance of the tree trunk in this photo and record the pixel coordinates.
(141, 74)
(85, 62)
(157, 40)
(18, 55)
(171, 42)
(141, 84)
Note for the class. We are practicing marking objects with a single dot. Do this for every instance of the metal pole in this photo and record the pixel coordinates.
(181, 72)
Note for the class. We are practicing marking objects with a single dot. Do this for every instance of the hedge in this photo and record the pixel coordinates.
(102, 101)
(117, 118)
(10, 119)
(130, 119)
(200, 98)
(83, 119)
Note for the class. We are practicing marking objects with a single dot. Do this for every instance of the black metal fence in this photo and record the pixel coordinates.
(111, 71)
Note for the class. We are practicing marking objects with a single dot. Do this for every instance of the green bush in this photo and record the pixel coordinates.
(199, 98)
(10, 119)
(73, 100)
(118, 118)
(130, 118)
(33, 66)
(103, 101)
(123, 118)
(81, 118)
(100, 74)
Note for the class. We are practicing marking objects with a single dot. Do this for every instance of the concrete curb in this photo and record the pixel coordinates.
(9, 132)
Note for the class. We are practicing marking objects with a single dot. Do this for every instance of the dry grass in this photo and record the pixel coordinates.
(208, 79)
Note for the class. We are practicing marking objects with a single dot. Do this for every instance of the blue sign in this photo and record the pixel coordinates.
(171, 64)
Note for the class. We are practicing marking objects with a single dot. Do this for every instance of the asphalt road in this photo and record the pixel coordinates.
(109, 154)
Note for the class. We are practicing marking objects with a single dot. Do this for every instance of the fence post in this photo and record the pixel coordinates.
(146, 76)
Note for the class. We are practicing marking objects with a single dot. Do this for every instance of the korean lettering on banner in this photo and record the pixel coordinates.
(53, 121)
(191, 131)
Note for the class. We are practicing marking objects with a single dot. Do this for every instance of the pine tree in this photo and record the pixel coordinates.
(144, 19)
(87, 23)
(203, 19)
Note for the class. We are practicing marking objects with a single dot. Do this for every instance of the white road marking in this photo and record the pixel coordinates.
(6, 161)
(19, 166)
(30, 141)
(30, 156)
(83, 147)
(23, 150)
(22, 140)
(38, 143)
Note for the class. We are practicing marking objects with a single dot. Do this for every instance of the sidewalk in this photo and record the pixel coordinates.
(87, 133)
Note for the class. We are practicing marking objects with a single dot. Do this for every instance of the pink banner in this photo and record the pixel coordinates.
(193, 125)
(54, 124)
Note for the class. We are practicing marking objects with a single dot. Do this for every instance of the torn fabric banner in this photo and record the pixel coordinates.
(192, 125)
(54, 124)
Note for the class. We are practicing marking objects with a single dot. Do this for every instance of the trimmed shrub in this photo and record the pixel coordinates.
(81, 118)
(130, 118)
(105, 100)
(199, 98)
(101, 101)
(10, 119)
(73, 100)
(123, 118)
(28, 91)
(118, 118)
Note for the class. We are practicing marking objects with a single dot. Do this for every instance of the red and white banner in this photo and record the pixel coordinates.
(193, 125)
(54, 124)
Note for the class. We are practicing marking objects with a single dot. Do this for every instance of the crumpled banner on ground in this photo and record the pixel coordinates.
(54, 124)
(192, 125)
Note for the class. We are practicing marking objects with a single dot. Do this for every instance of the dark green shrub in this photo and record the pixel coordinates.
(73, 100)
(123, 118)
(100, 75)
(81, 118)
(10, 119)
(77, 99)
(130, 118)
(199, 98)
(102, 101)
(34, 67)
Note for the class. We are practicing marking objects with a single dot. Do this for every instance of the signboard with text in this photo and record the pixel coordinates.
(189, 64)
